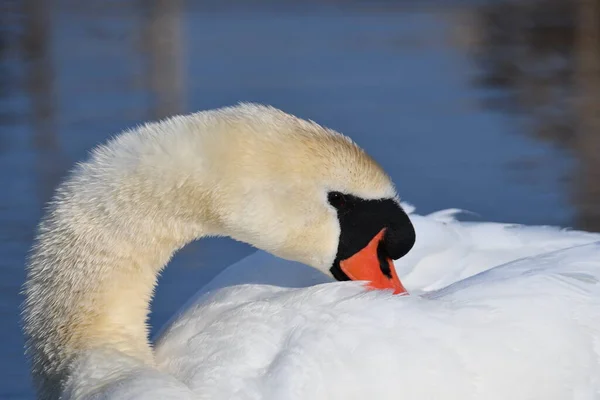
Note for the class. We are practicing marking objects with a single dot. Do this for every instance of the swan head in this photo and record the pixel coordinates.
(307, 193)
(254, 173)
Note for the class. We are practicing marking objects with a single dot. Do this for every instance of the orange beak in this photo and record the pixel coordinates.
(366, 265)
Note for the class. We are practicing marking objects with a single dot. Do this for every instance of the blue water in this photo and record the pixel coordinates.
(396, 79)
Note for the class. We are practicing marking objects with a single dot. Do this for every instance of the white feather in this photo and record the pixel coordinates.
(527, 329)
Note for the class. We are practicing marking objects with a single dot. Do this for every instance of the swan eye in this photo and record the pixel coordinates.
(337, 199)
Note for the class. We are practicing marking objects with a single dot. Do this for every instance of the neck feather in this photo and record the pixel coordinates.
(110, 229)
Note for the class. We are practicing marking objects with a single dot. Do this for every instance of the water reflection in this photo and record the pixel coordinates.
(587, 83)
(543, 57)
(163, 46)
(39, 85)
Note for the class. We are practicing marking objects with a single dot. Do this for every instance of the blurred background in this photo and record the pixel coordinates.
(490, 106)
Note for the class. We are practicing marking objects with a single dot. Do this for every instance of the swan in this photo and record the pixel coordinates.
(513, 312)
(495, 311)
(254, 173)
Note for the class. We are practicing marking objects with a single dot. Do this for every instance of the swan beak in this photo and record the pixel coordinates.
(372, 264)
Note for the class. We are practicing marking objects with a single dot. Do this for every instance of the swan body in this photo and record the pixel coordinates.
(517, 316)
(525, 330)
(496, 311)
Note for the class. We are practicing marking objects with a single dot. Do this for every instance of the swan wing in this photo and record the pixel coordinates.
(528, 329)
(448, 250)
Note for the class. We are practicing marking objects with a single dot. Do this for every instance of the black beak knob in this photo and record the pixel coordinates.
(400, 236)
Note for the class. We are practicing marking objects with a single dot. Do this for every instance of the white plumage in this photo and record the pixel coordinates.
(528, 329)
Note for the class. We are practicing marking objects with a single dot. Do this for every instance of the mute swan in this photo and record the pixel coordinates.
(527, 329)
(254, 173)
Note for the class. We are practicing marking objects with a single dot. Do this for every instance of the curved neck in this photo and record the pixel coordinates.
(117, 220)
(111, 228)
(89, 293)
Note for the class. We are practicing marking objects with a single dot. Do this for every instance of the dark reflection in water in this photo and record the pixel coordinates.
(39, 81)
(543, 56)
(163, 44)
(397, 76)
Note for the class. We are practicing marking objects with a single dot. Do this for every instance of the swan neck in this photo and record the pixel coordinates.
(89, 293)
(109, 231)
